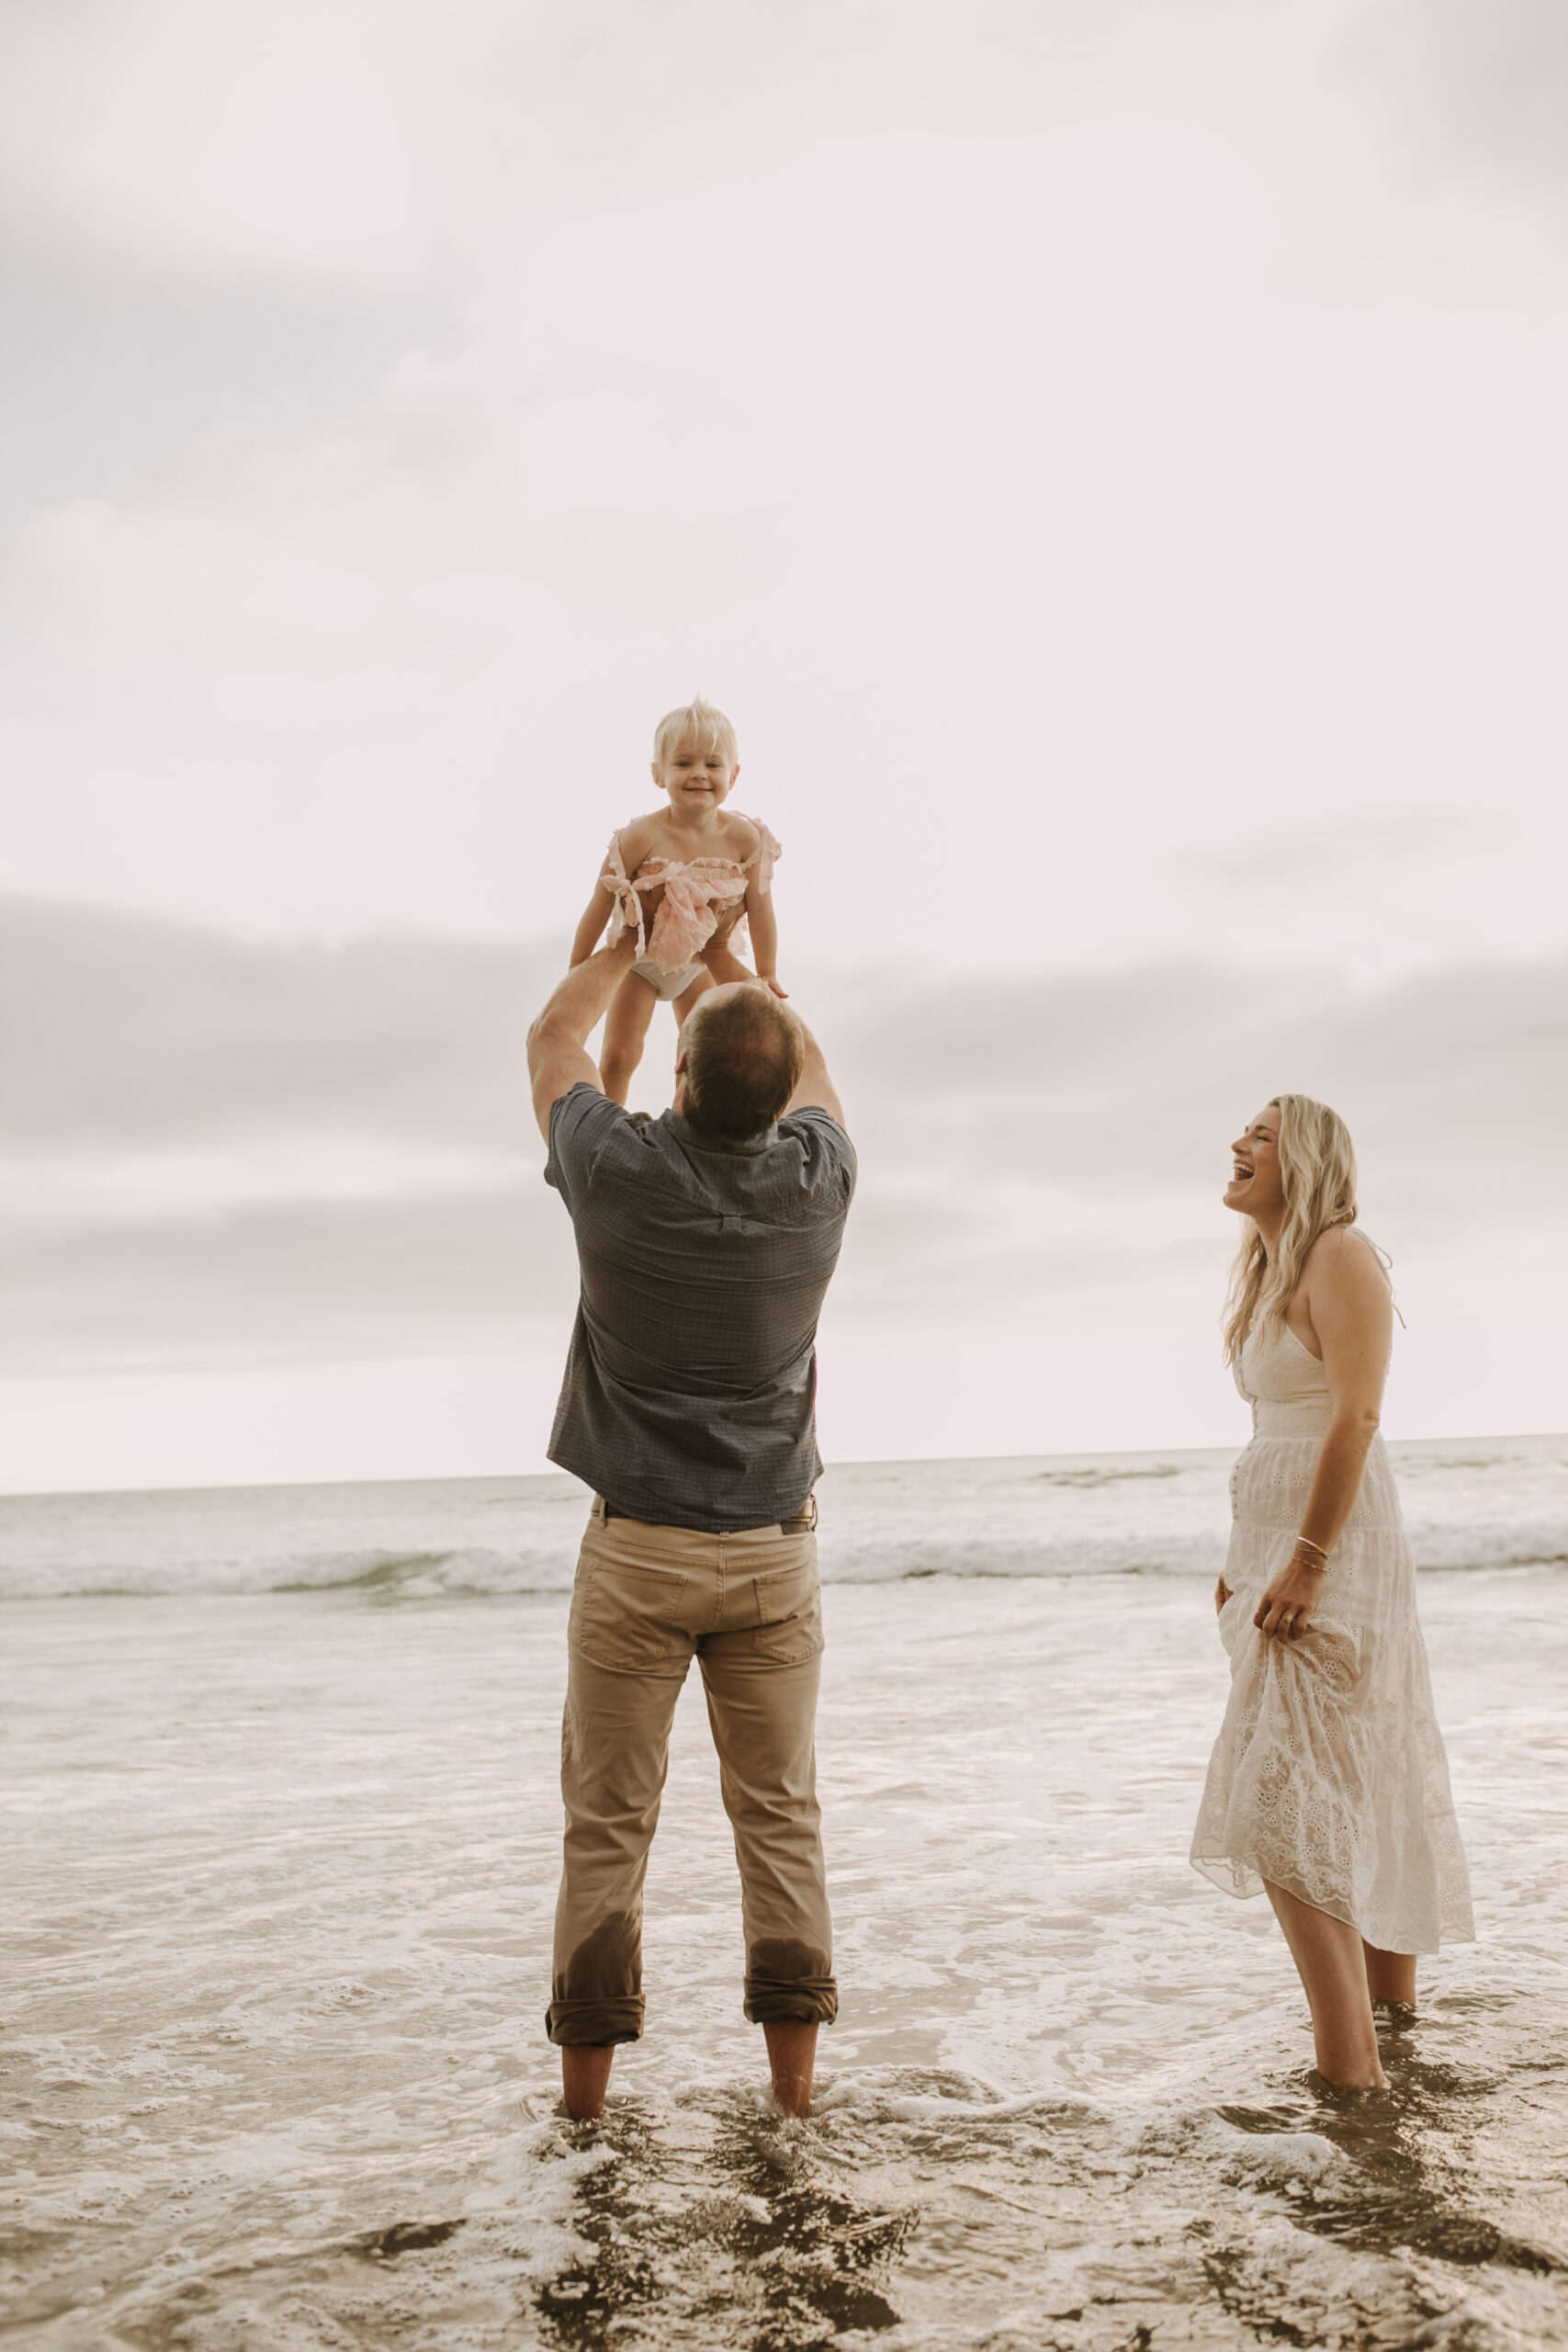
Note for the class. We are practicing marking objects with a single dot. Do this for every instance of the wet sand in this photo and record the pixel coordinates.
(275, 2069)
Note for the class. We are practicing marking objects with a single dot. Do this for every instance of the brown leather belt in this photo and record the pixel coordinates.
(801, 1522)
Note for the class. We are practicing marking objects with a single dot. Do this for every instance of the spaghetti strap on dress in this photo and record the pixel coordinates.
(1329, 1776)
(696, 893)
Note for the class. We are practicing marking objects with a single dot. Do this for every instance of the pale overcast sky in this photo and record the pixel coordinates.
(1107, 458)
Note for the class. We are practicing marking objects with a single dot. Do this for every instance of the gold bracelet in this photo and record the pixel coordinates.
(1304, 1543)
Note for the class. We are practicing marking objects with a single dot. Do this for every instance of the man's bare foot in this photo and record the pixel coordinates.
(792, 2055)
(584, 2078)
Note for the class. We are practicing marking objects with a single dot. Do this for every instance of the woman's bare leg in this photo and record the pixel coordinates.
(625, 1026)
(1330, 1961)
(1390, 1978)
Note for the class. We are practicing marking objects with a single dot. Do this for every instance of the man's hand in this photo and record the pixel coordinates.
(558, 1055)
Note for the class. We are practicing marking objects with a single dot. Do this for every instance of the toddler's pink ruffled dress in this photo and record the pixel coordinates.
(695, 895)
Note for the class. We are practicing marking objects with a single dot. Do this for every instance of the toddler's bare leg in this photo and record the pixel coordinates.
(691, 996)
(625, 1026)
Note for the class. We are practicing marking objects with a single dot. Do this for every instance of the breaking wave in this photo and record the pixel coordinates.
(1486, 1504)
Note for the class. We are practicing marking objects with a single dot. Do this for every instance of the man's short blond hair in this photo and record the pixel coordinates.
(707, 728)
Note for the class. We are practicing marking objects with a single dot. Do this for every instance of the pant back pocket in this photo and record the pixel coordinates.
(625, 1617)
(789, 1613)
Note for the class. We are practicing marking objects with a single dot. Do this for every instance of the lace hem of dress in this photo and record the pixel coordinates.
(1329, 1778)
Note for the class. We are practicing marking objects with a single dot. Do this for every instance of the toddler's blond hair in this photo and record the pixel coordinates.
(709, 728)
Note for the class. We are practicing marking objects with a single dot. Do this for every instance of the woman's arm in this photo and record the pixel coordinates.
(1352, 1315)
(591, 929)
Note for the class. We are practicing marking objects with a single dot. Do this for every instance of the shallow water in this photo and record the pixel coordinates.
(1474, 1502)
(276, 2077)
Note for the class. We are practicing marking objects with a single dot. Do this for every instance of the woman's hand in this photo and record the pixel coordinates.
(1221, 1594)
(1288, 1605)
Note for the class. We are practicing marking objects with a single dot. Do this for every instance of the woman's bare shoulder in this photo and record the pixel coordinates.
(1343, 1259)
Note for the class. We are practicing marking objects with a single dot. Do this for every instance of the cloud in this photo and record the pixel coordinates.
(1076, 399)
(132, 1034)
(230, 1151)
(277, 134)
(1066, 1139)
(131, 378)
(296, 1282)
(1106, 458)
(379, 137)
(1323, 859)
(1482, 92)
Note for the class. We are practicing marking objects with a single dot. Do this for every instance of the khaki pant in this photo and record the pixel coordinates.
(747, 1606)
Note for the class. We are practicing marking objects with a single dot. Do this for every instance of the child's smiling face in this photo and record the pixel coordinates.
(695, 775)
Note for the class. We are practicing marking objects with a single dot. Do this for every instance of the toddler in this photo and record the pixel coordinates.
(685, 879)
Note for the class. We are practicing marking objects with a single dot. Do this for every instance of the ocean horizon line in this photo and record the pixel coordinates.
(838, 1462)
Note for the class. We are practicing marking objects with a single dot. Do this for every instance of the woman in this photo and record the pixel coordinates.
(1329, 1786)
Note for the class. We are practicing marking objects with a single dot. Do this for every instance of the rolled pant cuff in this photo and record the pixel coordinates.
(578, 2025)
(800, 2000)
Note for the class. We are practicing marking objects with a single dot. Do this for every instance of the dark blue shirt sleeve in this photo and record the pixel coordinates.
(828, 1143)
(582, 1121)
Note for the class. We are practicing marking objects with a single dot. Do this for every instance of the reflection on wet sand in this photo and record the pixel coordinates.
(1413, 2177)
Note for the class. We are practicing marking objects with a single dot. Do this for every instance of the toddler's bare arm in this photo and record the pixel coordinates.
(764, 932)
(723, 962)
(591, 929)
(632, 842)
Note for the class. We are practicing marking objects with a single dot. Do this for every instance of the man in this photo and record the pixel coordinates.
(706, 1241)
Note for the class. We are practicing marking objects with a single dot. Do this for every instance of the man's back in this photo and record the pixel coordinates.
(690, 1385)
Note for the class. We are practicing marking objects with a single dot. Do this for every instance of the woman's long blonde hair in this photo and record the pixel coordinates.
(1317, 1165)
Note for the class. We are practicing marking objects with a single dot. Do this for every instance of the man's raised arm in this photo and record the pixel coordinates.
(558, 1056)
(814, 1090)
